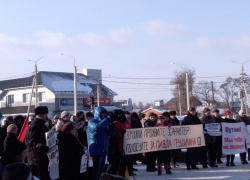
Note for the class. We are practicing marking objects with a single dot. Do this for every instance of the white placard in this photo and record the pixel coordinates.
(162, 138)
(213, 129)
(233, 139)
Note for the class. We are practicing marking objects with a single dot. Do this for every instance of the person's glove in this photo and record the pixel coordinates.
(123, 131)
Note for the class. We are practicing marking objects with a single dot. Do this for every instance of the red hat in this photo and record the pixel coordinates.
(227, 112)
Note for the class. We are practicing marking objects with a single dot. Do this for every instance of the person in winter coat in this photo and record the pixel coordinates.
(218, 143)
(79, 125)
(164, 156)
(229, 119)
(243, 118)
(98, 134)
(121, 124)
(151, 156)
(191, 155)
(14, 150)
(208, 151)
(54, 120)
(175, 122)
(18, 121)
(70, 153)
(65, 117)
(36, 142)
(3, 131)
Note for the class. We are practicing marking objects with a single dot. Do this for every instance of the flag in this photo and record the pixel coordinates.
(24, 129)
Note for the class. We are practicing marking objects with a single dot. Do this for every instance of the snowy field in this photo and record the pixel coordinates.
(241, 172)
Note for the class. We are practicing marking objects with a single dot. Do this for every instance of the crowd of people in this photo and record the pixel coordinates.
(102, 133)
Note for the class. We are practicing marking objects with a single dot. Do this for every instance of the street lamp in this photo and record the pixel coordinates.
(187, 83)
(35, 61)
(242, 85)
(75, 82)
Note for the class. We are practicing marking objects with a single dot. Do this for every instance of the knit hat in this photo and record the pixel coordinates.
(227, 112)
(172, 113)
(216, 111)
(41, 110)
(241, 112)
(206, 110)
(67, 127)
(16, 171)
(64, 113)
(9, 118)
(89, 114)
(11, 128)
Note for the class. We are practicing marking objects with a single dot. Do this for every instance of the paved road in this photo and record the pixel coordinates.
(241, 172)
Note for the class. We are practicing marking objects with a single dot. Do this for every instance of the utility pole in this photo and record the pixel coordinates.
(98, 94)
(241, 89)
(35, 79)
(212, 90)
(179, 89)
(187, 84)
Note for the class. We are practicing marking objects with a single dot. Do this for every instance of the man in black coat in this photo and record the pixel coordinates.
(191, 155)
(79, 125)
(218, 119)
(37, 143)
(3, 131)
(151, 156)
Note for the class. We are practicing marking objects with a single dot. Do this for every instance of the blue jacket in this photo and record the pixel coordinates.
(98, 132)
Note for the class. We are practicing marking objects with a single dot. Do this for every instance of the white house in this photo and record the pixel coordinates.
(55, 90)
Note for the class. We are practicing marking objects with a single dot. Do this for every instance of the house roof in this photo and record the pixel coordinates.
(57, 82)
(171, 102)
(159, 109)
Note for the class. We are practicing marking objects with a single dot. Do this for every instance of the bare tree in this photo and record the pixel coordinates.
(203, 91)
(228, 90)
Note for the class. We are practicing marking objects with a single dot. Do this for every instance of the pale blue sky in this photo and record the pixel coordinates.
(129, 38)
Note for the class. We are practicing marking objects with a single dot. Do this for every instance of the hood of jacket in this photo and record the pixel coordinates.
(98, 111)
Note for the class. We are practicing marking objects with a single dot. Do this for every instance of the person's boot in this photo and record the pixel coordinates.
(227, 164)
(219, 161)
(159, 169)
(232, 164)
(167, 167)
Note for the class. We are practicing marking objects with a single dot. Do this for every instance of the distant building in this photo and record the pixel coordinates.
(55, 90)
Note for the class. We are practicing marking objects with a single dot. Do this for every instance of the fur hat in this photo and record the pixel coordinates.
(41, 110)
(151, 114)
(192, 109)
(166, 114)
(11, 128)
(55, 117)
(89, 114)
(216, 111)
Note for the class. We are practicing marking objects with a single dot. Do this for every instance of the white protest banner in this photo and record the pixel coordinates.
(84, 163)
(213, 129)
(53, 154)
(233, 140)
(162, 138)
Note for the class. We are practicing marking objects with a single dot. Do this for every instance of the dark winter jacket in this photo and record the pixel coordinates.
(218, 119)
(149, 123)
(136, 124)
(175, 122)
(227, 120)
(37, 141)
(191, 120)
(70, 152)
(81, 126)
(3, 134)
(208, 120)
(98, 134)
(12, 148)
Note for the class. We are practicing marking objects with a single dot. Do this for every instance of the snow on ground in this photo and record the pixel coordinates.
(241, 172)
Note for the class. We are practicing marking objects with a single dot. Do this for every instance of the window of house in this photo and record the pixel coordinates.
(10, 100)
(41, 96)
(26, 98)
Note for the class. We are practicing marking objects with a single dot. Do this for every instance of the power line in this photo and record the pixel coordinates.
(7, 78)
